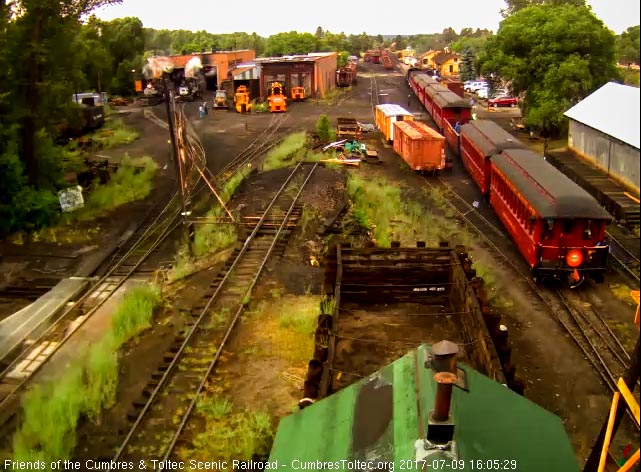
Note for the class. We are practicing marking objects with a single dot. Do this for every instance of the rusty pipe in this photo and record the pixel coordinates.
(444, 383)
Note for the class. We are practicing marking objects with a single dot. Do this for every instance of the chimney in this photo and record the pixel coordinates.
(444, 357)
(444, 383)
(440, 425)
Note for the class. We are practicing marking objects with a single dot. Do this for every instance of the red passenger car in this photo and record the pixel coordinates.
(480, 140)
(557, 226)
(449, 107)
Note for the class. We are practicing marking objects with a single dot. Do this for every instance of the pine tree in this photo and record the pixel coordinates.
(467, 66)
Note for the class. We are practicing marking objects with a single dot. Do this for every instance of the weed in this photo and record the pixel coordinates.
(285, 153)
(113, 133)
(101, 378)
(230, 434)
(133, 181)
(310, 216)
(389, 215)
(134, 314)
(276, 293)
(622, 292)
(327, 305)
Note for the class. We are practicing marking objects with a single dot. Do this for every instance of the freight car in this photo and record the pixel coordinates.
(556, 225)
(386, 115)
(420, 146)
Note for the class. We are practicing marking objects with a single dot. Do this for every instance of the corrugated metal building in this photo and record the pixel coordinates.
(315, 71)
(604, 130)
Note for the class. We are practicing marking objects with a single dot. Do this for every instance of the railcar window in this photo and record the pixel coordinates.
(547, 229)
(567, 226)
(587, 232)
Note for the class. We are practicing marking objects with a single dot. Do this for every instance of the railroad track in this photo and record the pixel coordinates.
(162, 415)
(45, 338)
(588, 330)
(628, 261)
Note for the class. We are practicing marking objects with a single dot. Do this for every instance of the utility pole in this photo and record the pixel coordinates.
(630, 378)
(177, 162)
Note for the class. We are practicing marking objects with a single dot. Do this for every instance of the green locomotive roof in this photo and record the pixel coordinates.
(377, 420)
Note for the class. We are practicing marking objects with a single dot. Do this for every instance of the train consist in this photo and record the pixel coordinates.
(556, 225)
(346, 76)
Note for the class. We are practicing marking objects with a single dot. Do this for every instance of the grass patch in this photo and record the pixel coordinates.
(391, 216)
(51, 410)
(210, 238)
(260, 107)
(113, 133)
(230, 433)
(133, 181)
(309, 218)
(622, 292)
(286, 153)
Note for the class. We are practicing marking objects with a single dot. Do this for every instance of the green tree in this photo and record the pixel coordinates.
(628, 46)
(552, 67)
(323, 128)
(467, 66)
(319, 33)
(517, 5)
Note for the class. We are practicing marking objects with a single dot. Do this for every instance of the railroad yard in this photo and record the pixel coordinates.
(228, 351)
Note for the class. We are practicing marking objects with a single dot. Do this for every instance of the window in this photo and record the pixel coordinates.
(587, 232)
(451, 68)
(567, 226)
(547, 229)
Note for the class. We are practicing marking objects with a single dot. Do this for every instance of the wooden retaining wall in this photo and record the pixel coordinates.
(418, 275)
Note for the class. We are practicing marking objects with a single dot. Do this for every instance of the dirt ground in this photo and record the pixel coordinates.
(264, 365)
(371, 337)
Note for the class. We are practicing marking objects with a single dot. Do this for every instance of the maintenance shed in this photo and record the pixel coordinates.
(604, 131)
(314, 71)
(424, 407)
(216, 65)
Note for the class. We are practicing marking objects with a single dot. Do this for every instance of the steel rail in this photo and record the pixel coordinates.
(232, 324)
(194, 328)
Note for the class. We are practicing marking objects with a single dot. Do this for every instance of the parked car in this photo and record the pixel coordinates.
(474, 86)
(502, 101)
(482, 92)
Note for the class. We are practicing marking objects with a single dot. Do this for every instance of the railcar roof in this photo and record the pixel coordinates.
(417, 130)
(425, 79)
(489, 137)
(450, 100)
(549, 191)
(390, 109)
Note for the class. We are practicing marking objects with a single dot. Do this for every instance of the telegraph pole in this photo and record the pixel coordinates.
(630, 378)
(177, 162)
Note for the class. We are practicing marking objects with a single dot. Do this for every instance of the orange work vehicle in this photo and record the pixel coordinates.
(277, 100)
(243, 104)
(298, 93)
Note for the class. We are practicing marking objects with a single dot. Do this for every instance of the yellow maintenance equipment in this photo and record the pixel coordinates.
(220, 101)
(276, 100)
(243, 104)
(298, 93)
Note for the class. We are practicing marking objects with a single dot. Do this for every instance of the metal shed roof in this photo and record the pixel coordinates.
(549, 191)
(489, 137)
(382, 419)
(390, 109)
(614, 109)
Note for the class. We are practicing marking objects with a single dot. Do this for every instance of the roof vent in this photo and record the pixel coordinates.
(444, 357)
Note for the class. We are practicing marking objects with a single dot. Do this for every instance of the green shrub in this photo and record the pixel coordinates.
(323, 127)
(283, 154)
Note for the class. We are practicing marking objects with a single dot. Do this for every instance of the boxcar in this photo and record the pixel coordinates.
(419, 145)
(480, 139)
(557, 226)
(386, 115)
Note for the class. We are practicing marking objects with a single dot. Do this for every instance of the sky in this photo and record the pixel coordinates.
(351, 17)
